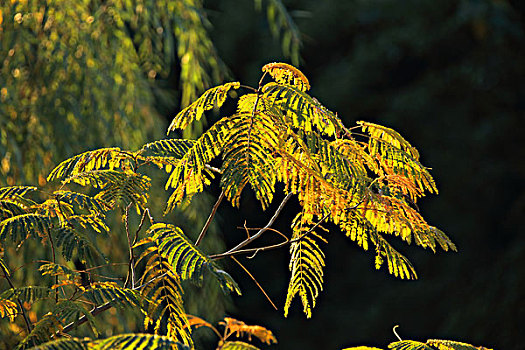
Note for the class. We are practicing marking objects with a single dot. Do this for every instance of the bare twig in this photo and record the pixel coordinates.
(142, 219)
(131, 269)
(210, 218)
(257, 283)
(397, 335)
(258, 234)
(269, 247)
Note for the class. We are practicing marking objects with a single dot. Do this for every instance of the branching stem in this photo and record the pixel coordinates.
(258, 234)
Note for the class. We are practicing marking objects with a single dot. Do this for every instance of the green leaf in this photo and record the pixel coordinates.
(137, 341)
(409, 345)
(19, 227)
(238, 345)
(104, 158)
(187, 260)
(15, 191)
(212, 98)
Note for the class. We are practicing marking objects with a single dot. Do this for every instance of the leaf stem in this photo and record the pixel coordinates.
(131, 270)
(257, 283)
(210, 218)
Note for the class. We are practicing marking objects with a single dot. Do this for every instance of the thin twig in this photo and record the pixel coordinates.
(26, 319)
(131, 269)
(397, 335)
(257, 283)
(210, 218)
(142, 219)
(259, 233)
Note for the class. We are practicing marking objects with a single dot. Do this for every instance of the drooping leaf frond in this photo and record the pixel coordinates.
(42, 330)
(237, 345)
(104, 158)
(188, 261)
(398, 264)
(52, 322)
(94, 205)
(175, 148)
(9, 208)
(137, 341)
(301, 110)
(8, 309)
(165, 153)
(71, 239)
(20, 227)
(190, 175)
(396, 156)
(306, 266)
(248, 154)
(162, 298)
(239, 328)
(29, 294)
(101, 292)
(286, 74)
(117, 187)
(212, 98)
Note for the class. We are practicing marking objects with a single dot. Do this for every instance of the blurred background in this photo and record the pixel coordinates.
(448, 75)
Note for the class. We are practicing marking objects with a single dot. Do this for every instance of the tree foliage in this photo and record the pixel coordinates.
(365, 180)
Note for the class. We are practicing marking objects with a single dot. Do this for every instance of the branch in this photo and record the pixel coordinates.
(210, 218)
(131, 269)
(258, 234)
(269, 247)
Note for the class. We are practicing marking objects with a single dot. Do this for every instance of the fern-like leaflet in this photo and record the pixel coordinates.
(18, 228)
(248, 154)
(104, 158)
(162, 296)
(306, 266)
(213, 98)
(117, 342)
(188, 261)
(191, 173)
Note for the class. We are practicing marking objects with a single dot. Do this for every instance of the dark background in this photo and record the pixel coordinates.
(448, 75)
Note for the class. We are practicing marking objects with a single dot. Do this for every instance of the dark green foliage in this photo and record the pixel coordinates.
(95, 206)
(137, 341)
(28, 294)
(18, 228)
(102, 292)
